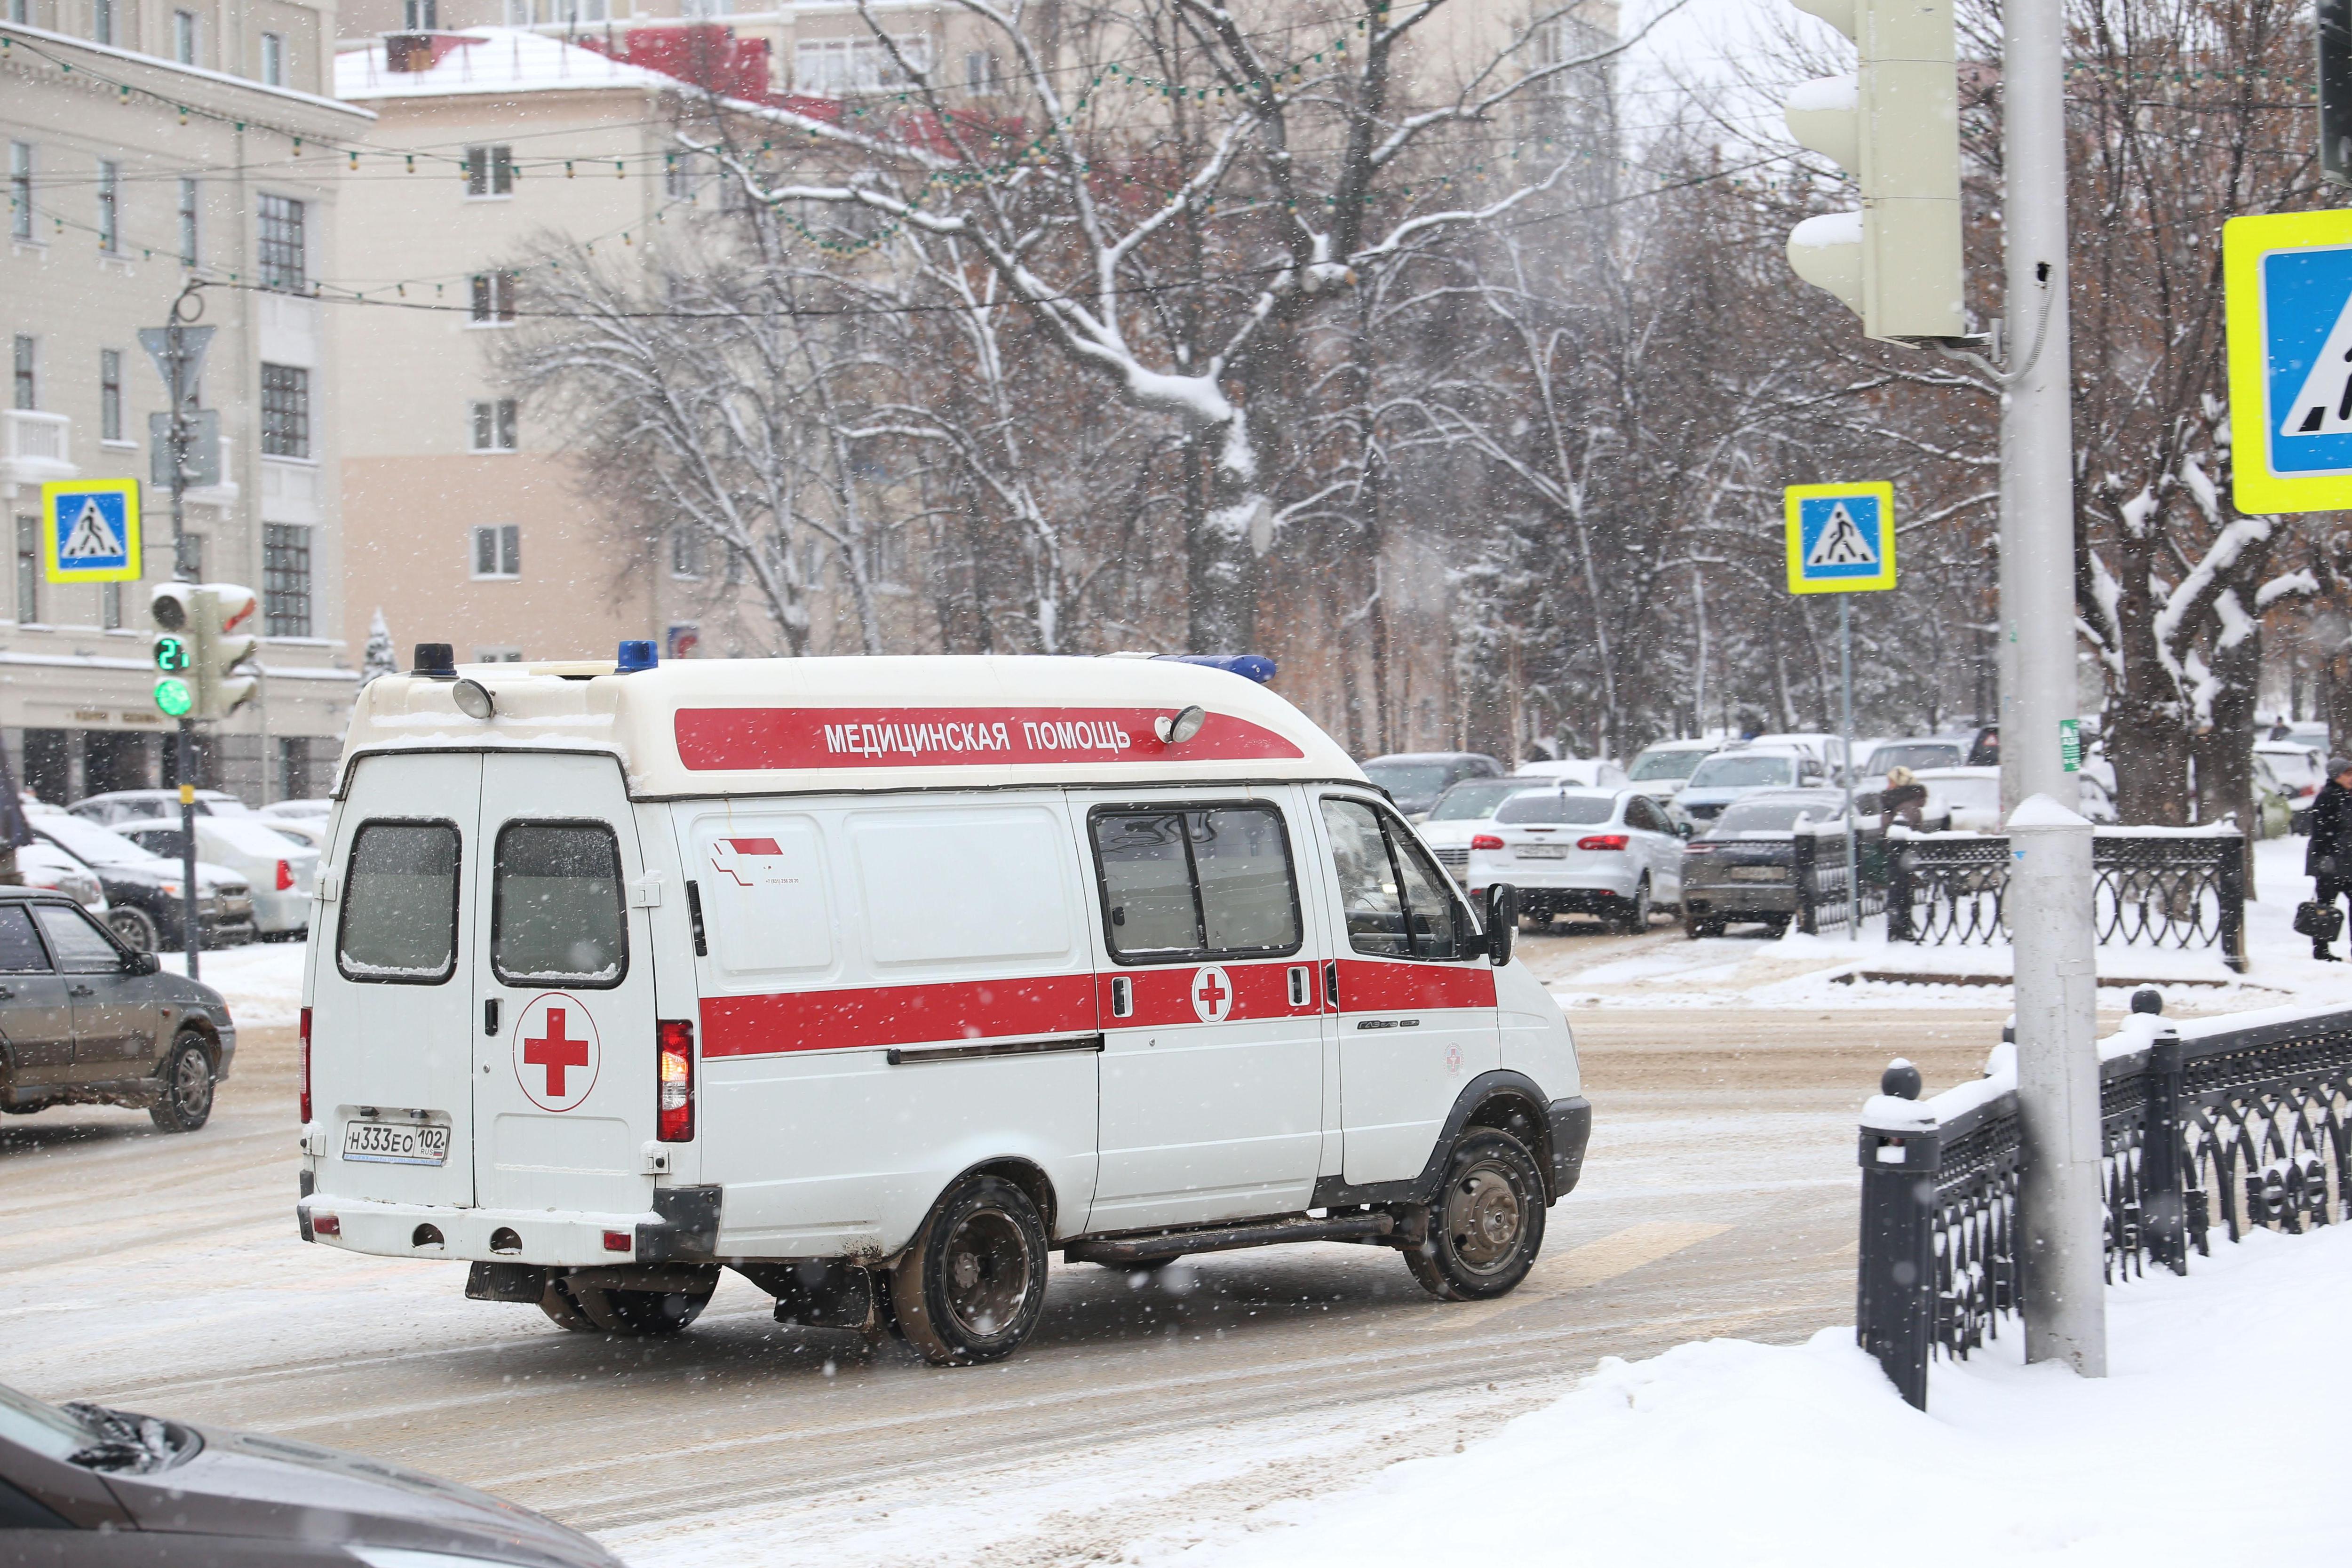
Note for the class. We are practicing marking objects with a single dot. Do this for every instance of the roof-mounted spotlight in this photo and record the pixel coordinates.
(473, 699)
(1175, 729)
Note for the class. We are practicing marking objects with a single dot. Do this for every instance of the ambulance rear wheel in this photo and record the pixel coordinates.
(561, 1309)
(972, 1286)
(1487, 1223)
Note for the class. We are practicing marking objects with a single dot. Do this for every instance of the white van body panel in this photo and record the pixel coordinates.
(1536, 1040)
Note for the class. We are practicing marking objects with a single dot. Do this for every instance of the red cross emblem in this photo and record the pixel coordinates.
(1212, 994)
(556, 1052)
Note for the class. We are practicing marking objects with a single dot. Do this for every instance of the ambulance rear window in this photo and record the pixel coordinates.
(555, 906)
(1191, 884)
(400, 904)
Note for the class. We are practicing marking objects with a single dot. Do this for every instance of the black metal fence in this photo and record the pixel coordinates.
(1819, 872)
(2232, 1130)
(2149, 890)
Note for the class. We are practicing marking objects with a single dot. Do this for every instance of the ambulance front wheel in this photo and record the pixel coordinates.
(1487, 1223)
(972, 1286)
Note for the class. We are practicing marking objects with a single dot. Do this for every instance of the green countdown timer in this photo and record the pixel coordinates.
(171, 654)
(174, 697)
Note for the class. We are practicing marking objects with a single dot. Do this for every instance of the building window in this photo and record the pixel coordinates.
(494, 424)
(183, 37)
(704, 10)
(983, 73)
(109, 395)
(294, 768)
(284, 264)
(285, 411)
(109, 206)
(20, 190)
(489, 171)
(519, 13)
(828, 67)
(109, 605)
(188, 200)
(420, 15)
(493, 297)
(28, 570)
(679, 176)
(684, 552)
(497, 656)
(498, 550)
(273, 59)
(285, 580)
(102, 21)
(28, 390)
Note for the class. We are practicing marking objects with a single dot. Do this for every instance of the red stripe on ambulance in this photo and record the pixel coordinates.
(1163, 997)
(1401, 987)
(875, 1015)
(737, 739)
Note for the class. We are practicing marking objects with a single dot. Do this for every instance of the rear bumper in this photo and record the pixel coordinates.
(683, 1225)
(1602, 884)
(1740, 898)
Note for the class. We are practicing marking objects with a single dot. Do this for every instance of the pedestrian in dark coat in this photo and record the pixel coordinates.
(2328, 861)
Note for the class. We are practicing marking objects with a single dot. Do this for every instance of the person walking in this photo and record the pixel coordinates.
(2328, 861)
(1904, 800)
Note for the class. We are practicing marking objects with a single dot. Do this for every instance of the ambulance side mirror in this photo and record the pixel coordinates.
(1501, 921)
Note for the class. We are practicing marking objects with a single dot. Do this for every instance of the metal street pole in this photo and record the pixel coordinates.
(184, 570)
(1845, 676)
(2061, 1215)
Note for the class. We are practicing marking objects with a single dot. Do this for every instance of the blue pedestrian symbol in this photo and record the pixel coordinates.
(1840, 538)
(91, 530)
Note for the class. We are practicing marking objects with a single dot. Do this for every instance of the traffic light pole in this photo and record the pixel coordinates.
(2061, 1216)
(184, 570)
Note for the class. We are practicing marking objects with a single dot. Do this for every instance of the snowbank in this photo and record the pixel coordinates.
(261, 981)
(1730, 1452)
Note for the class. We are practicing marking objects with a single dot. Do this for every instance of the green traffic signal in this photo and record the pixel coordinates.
(171, 654)
(174, 696)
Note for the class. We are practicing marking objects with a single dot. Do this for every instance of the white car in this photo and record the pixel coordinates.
(306, 810)
(1742, 770)
(1966, 800)
(46, 865)
(1828, 748)
(1660, 771)
(281, 872)
(1591, 773)
(1606, 852)
(2299, 769)
(1917, 753)
(308, 831)
(118, 806)
(1461, 814)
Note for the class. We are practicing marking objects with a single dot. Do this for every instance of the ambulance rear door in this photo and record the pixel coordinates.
(564, 1037)
(392, 1060)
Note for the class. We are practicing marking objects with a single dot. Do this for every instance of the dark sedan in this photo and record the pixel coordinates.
(86, 1487)
(1744, 866)
(86, 1021)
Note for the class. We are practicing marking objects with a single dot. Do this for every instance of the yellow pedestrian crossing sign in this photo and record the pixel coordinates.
(1840, 538)
(2288, 281)
(90, 530)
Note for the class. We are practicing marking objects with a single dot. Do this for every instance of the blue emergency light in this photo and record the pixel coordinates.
(636, 654)
(1248, 666)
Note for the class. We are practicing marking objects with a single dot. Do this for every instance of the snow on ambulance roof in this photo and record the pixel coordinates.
(760, 726)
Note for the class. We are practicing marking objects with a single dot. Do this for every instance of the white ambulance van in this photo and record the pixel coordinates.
(877, 980)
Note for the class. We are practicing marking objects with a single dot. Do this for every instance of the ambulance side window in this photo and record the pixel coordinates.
(1396, 903)
(1195, 883)
(556, 917)
(399, 923)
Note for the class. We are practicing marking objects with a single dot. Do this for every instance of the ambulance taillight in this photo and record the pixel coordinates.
(305, 1074)
(675, 1107)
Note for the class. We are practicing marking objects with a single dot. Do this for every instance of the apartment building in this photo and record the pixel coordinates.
(149, 143)
(494, 148)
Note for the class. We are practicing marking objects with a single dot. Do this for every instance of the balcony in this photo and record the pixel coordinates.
(34, 449)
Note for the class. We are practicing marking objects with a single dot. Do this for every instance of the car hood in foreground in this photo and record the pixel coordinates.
(252, 1485)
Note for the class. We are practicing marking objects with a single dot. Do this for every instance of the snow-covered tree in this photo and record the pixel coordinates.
(378, 656)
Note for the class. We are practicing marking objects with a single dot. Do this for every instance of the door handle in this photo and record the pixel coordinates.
(1331, 983)
(81, 991)
(490, 1017)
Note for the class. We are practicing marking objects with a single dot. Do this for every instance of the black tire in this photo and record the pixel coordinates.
(1696, 927)
(619, 1312)
(1536, 923)
(1487, 1224)
(561, 1309)
(1776, 926)
(1635, 917)
(134, 927)
(972, 1286)
(186, 1101)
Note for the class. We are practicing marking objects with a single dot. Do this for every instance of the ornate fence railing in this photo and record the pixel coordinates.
(2206, 1128)
(2151, 888)
(1819, 872)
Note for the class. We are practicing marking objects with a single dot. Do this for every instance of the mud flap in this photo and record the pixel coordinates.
(818, 1292)
(519, 1282)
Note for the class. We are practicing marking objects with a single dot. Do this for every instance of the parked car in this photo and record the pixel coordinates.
(1660, 771)
(1743, 867)
(281, 873)
(48, 867)
(89, 1022)
(310, 831)
(1573, 850)
(1738, 771)
(89, 1487)
(1459, 815)
(2274, 804)
(137, 805)
(1591, 773)
(1415, 779)
(305, 809)
(1966, 800)
(2300, 770)
(144, 892)
(1917, 753)
(1828, 749)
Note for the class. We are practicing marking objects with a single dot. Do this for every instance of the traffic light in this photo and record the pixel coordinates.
(203, 650)
(1895, 125)
(2334, 18)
